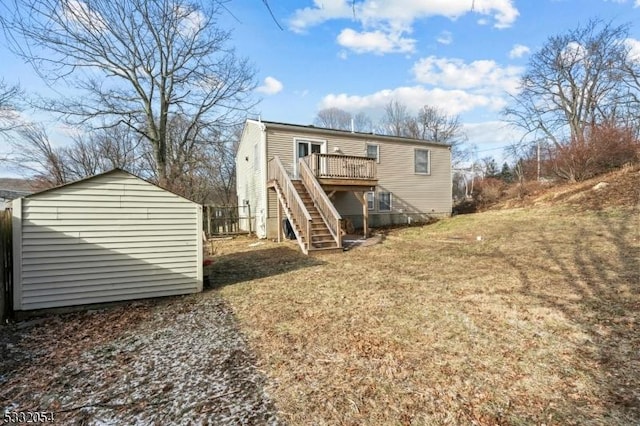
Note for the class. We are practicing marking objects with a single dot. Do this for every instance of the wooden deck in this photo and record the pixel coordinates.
(343, 172)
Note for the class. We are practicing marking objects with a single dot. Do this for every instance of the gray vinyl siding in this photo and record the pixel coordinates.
(279, 144)
(411, 193)
(108, 238)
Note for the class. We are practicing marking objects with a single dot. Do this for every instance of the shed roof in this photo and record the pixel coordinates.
(112, 171)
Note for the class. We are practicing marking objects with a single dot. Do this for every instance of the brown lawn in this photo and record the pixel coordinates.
(538, 321)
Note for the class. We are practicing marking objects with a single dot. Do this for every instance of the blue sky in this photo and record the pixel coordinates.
(464, 56)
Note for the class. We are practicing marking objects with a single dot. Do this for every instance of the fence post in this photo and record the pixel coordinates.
(249, 212)
(6, 264)
(208, 220)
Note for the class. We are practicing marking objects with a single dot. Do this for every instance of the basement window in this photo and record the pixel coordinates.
(371, 200)
(384, 201)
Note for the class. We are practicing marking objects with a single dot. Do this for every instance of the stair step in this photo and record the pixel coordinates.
(324, 250)
(324, 245)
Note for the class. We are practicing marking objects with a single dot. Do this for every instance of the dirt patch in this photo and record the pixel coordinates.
(177, 360)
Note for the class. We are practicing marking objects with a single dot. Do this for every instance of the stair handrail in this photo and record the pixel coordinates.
(299, 212)
(321, 200)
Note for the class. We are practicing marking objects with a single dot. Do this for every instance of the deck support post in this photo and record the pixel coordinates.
(279, 219)
(362, 197)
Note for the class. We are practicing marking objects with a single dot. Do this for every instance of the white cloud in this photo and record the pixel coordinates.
(634, 48)
(445, 37)
(484, 76)
(373, 13)
(271, 86)
(518, 51)
(448, 83)
(414, 97)
(636, 3)
(377, 42)
(322, 11)
(386, 23)
(496, 132)
(78, 14)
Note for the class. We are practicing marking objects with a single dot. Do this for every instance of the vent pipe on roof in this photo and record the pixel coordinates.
(353, 126)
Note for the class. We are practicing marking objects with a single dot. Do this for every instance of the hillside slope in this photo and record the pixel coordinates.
(618, 188)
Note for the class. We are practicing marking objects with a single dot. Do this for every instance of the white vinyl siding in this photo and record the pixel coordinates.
(250, 186)
(108, 238)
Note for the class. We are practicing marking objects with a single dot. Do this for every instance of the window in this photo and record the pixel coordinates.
(421, 165)
(371, 200)
(385, 201)
(308, 147)
(373, 151)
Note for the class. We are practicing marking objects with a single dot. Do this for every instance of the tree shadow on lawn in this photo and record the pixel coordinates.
(604, 284)
(243, 266)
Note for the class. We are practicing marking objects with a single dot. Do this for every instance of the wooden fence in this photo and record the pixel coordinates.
(6, 265)
(227, 220)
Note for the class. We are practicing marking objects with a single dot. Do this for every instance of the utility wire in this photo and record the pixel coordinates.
(266, 3)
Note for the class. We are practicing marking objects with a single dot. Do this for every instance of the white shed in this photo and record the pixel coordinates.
(110, 237)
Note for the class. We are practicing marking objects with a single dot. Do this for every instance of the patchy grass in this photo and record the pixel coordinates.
(538, 321)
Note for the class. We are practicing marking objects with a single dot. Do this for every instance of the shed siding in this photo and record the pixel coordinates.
(112, 237)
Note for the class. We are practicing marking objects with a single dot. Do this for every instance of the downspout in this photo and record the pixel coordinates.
(450, 180)
(265, 175)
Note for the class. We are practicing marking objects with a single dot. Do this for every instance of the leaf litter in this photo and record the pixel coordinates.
(178, 360)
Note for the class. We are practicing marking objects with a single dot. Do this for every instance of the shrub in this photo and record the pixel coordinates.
(605, 148)
(488, 191)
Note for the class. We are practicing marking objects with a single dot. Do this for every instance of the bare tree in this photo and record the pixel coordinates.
(362, 123)
(33, 151)
(220, 169)
(9, 97)
(333, 118)
(105, 149)
(339, 119)
(139, 63)
(122, 148)
(395, 119)
(573, 82)
(438, 126)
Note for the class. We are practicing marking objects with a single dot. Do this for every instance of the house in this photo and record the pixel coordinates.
(11, 188)
(323, 180)
(106, 238)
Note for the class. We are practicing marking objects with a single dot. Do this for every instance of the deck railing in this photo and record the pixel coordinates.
(298, 212)
(334, 166)
(321, 200)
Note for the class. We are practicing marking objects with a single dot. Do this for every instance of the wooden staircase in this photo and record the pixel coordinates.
(315, 221)
(321, 238)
